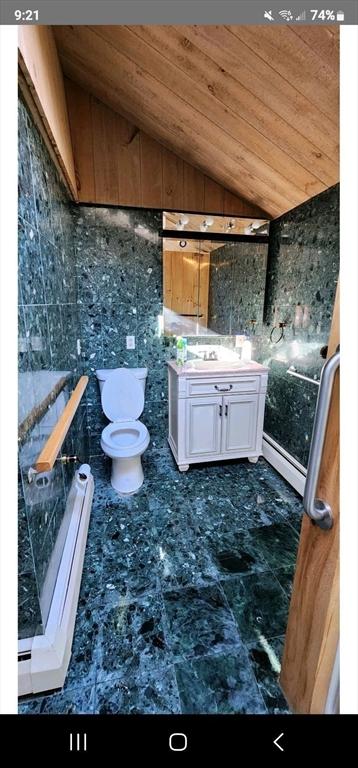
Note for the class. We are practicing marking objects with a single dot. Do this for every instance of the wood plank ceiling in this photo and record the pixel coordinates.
(254, 108)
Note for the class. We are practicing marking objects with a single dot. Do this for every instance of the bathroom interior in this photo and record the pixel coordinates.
(174, 183)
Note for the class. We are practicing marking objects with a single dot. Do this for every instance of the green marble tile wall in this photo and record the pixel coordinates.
(120, 292)
(48, 331)
(119, 269)
(119, 266)
(302, 275)
(237, 288)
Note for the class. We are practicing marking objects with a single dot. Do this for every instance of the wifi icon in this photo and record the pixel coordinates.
(286, 15)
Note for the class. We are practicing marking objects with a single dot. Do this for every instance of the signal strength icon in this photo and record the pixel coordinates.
(301, 17)
(287, 15)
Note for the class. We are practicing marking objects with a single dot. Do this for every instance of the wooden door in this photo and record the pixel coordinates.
(186, 290)
(181, 282)
(313, 625)
(203, 426)
(239, 423)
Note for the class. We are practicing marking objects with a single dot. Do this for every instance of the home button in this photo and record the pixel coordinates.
(178, 742)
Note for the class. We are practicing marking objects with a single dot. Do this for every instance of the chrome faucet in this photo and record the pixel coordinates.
(210, 356)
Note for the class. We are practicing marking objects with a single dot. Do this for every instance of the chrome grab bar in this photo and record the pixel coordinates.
(317, 509)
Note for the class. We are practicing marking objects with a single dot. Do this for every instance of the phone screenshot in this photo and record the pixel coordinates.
(179, 200)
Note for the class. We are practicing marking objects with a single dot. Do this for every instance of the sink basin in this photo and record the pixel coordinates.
(216, 368)
(214, 365)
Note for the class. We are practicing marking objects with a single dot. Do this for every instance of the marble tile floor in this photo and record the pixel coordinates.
(185, 593)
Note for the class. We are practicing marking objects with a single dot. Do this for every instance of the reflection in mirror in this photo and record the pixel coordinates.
(237, 288)
(211, 286)
(186, 287)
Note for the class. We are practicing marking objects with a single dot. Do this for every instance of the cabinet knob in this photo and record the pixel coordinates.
(226, 409)
(220, 410)
(223, 389)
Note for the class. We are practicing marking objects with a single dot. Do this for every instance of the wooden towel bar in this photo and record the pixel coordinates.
(51, 449)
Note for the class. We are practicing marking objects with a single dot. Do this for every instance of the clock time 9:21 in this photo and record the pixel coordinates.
(26, 15)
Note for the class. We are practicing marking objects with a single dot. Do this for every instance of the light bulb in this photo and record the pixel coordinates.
(183, 221)
(208, 222)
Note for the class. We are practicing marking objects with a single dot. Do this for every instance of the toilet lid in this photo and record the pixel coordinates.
(122, 396)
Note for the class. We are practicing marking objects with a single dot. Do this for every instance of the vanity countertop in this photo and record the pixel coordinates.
(206, 368)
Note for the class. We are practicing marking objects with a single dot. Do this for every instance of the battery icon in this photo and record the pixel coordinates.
(340, 16)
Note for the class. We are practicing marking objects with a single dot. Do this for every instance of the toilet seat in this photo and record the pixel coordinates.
(122, 396)
(125, 438)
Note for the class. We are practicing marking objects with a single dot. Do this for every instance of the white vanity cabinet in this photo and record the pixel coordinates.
(216, 414)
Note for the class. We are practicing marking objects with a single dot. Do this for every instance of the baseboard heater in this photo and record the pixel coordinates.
(44, 659)
(284, 463)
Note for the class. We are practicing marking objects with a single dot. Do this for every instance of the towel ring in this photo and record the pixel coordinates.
(280, 328)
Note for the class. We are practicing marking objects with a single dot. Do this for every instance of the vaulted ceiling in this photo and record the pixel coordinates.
(254, 108)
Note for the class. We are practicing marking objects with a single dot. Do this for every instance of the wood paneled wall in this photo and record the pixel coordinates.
(118, 164)
(45, 94)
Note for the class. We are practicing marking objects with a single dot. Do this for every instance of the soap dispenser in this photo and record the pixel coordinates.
(182, 347)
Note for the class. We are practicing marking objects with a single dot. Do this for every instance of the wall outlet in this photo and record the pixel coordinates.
(239, 341)
(130, 342)
(36, 343)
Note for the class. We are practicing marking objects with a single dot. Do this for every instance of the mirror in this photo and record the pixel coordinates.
(211, 285)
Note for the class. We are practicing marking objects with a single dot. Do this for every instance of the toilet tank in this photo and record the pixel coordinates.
(140, 374)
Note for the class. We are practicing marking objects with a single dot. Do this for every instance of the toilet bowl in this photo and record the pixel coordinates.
(125, 439)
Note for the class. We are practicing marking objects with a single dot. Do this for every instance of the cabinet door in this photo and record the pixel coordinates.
(239, 423)
(203, 425)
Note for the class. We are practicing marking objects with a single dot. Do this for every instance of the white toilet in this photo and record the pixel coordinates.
(125, 438)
